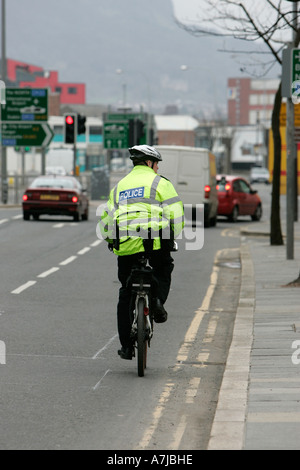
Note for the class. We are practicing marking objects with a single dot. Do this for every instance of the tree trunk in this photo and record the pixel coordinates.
(276, 234)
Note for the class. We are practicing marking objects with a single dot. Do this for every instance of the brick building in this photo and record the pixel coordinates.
(250, 101)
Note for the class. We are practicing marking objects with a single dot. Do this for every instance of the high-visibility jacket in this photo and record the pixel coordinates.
(141, 205)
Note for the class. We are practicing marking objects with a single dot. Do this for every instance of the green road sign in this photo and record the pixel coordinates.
(118, 117)
(295, 64)
(26, 134)
(25, 104)
(115, 135)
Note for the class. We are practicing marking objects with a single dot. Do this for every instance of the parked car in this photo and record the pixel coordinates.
(259, 175)
(55, 195)
(236, 197)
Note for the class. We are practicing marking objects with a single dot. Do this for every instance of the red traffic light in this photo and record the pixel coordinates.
(69, 120)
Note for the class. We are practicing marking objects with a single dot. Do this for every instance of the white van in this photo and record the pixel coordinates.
(192, 171)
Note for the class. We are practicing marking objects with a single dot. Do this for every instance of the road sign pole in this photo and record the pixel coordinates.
(290, 146)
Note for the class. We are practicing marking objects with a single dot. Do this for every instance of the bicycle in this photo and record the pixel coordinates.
(142, 283)
(143, 286)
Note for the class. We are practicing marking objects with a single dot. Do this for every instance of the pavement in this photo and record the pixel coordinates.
(259, 400)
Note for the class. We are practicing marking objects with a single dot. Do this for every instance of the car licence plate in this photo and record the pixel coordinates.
(49, 197)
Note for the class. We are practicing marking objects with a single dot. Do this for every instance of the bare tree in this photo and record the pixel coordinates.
(268, 23)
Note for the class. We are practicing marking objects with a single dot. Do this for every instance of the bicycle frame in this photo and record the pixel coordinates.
(141, 283)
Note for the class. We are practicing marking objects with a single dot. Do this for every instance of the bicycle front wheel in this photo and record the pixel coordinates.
(141, 338)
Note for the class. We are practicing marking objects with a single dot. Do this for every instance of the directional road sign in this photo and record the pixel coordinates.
(25, 104)
(115, 135)
(26, 134)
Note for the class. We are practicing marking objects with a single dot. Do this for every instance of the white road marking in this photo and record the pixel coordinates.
(104, 347)
(96, 243)
(55, 269)
(3, 221)
(23, 287)
(84, 250)
(47, 273)
(58, 225)
(68, 260)
(98, 384)
(17, 217)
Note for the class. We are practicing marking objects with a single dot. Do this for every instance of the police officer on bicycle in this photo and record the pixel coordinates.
(144, 212)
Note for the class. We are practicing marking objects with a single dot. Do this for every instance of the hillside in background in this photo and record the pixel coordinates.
(87, 41)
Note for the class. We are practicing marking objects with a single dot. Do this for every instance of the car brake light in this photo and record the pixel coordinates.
(74, 199)
(25, 197)
(227, 186)
(206, 191)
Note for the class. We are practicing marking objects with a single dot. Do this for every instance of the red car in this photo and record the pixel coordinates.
(236, 197)
(55, 195)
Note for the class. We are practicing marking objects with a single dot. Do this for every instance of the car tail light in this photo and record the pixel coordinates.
(227, 187)
(74, 199)
(25, 197)
(206, 191)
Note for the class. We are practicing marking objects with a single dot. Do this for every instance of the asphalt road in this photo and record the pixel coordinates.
(63, 385)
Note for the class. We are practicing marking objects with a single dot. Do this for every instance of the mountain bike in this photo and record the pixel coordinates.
(142, 283)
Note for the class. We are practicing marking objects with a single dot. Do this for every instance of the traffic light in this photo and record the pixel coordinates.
(131, 129)
(140, 131)
(70, 128)
(136, 132)
(81, 124)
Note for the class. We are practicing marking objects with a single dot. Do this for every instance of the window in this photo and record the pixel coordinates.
(72, 90)
(58, 89)
(244, 187)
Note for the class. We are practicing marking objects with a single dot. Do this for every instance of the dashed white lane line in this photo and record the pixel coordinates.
(54, 269)
(23, 287)
(47, 273)
(58, 225)
(17, 217)
(68, 261)
(3, 221)
(96, 243)
(84, 250)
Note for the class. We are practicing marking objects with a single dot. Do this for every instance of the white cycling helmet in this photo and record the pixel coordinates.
(141, 153)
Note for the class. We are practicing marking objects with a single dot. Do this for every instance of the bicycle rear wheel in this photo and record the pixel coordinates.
(141, 338)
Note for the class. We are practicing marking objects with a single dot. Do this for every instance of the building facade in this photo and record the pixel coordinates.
(250, 101)
(25, 75)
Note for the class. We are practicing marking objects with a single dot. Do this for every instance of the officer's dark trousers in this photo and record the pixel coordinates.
(163, 265)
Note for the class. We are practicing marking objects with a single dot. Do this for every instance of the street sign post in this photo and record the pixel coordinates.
(25, 134)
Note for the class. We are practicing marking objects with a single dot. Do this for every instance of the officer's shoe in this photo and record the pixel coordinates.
(126, 353)
(159, 312)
